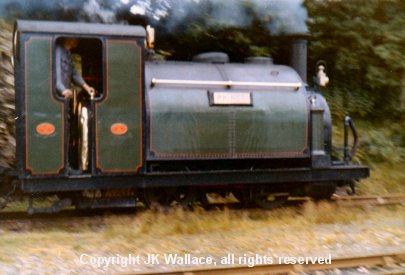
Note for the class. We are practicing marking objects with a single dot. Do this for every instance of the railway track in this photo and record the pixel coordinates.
(393, 263)
(369, 200)
(344, 201)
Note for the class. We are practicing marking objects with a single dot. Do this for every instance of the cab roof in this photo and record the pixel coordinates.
(78, 28)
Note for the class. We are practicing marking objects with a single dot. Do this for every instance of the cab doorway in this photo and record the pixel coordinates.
(85, 61)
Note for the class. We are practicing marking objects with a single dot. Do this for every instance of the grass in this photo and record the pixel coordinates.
(198, 232)
(313, 228)
(386, 178)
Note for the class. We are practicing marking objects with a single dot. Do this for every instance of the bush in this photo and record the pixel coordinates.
(380, 145)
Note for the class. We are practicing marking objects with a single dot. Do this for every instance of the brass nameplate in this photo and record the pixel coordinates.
(230, 98)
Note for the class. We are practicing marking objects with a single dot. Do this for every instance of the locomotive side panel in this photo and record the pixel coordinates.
(277, 126)
(119, 115)
(190, 119)
(43, 114)
(182, 125)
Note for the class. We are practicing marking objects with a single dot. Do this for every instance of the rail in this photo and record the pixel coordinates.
(337, 263)
(369, 200)
(228, 83)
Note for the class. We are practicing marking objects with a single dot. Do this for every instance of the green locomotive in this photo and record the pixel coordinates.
(167, 132)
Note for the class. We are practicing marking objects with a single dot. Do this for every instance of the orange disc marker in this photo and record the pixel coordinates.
(45, 129)
(119, 129)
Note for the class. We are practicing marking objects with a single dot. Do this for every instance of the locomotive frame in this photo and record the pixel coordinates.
(127, 161)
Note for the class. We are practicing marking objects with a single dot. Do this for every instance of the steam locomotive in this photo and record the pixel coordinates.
(167, 132)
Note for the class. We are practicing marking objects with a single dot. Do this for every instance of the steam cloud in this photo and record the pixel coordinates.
(95, 12)
(279, 16)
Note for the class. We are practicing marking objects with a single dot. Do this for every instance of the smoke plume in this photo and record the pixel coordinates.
(279, 16)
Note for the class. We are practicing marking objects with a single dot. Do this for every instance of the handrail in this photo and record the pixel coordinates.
(348, 156)
(228, 83)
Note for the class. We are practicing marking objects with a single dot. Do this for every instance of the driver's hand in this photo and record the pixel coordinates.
(67, 93)
(90, 90)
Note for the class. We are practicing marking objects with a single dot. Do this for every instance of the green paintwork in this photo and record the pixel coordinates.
(317, 130)
(181, 123)
(276, 124)
(185, 125)
(121, 153)
(44, 153)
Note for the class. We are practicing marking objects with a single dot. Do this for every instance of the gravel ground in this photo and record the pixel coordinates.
(69, 247)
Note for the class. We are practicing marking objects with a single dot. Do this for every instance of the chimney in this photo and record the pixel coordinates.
(298, 54)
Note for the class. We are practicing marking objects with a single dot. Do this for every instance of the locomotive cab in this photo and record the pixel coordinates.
(75, 137)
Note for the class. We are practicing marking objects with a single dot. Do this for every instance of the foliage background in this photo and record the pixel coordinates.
(364, 45)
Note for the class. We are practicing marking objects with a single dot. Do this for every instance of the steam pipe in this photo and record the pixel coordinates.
(228, 83)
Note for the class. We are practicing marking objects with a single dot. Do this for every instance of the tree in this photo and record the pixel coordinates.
(363, 44)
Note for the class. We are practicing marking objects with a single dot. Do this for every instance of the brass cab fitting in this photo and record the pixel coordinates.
(150, 37)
